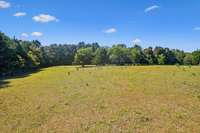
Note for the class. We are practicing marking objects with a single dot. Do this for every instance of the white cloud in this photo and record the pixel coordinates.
(136, 41)
(111, 30)
(44, 18)
(4, 4)
(24, 35)
(151, 8)
(19, 14)
(37, 34)
(197, 28)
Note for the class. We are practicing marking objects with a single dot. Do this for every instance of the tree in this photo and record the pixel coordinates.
(8, 56)
(101, 56)
(196, 57)
(34, 61)
(170, 57)
(163, 55)
(83, 56)
(149, 55)
(119, 55)
(161, 59)
(137, 55)
(188, 59)
(17, 55)
(95, 46)
(180, 55)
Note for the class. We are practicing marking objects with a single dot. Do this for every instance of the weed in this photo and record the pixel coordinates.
(193, 74)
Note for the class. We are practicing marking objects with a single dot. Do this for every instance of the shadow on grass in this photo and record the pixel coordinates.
(87, 66)
(4, 80)
(4, 84)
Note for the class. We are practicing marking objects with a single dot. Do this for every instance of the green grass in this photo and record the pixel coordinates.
(152, 99)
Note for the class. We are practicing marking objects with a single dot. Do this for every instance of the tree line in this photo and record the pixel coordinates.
(19, 55)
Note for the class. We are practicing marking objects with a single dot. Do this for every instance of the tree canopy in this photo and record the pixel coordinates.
(17, 55)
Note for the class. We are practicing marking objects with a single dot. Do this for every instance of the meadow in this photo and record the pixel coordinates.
(111, 99)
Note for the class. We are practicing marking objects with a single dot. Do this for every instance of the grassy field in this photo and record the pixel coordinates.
(143, 99)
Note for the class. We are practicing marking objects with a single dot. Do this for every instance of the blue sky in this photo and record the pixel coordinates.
(168, 23)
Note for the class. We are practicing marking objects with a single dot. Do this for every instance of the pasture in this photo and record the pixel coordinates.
(129, 99)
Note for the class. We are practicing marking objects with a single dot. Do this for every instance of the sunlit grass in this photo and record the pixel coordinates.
(103, 99)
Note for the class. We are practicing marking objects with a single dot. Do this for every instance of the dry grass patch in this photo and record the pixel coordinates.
(106, 99)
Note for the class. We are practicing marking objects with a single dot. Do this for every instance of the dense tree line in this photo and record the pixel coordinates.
(19, 55)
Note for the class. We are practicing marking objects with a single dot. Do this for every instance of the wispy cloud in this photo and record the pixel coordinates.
(19, 14)
(37, 34)
(137, 41)
(110, 30)
(151, 8)
(44, 18)
(197, 28)
(4, 4)
(25, 35)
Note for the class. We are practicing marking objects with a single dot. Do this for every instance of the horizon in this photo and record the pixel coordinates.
(149, 23)
(108, 46)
